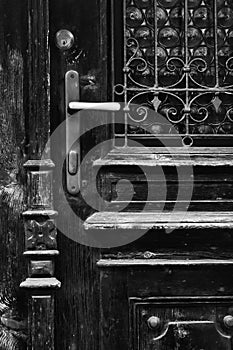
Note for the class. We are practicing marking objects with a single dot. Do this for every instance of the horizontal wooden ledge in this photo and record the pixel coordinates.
(216, 299)
(41, 283)
(173, 150)
(180, 156)
(40, 212)
(159, 220)
(161, 262)
(40, 163)
(39, 253)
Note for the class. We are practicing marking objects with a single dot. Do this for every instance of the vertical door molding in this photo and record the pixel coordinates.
(39, 219)
(40, 250)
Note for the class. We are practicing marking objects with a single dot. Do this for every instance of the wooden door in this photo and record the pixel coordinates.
(167, 283)
(142, 255)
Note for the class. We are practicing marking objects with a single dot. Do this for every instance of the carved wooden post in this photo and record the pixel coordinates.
(41, 249)
(39, 219)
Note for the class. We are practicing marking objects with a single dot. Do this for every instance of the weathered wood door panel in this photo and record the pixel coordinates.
(169, 289)
(180, 325)
(165, 307)
(107, 297)
(13, 139)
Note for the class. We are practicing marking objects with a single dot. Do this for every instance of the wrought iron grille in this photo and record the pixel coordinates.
(178, 62)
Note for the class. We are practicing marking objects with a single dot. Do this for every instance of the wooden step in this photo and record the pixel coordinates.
(179, 156)
(160, 220)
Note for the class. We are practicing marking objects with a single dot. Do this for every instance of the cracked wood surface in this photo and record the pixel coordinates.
(179, 156)
(12, 136)
(160, 220)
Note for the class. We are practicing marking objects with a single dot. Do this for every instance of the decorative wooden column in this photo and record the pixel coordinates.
(40, 250)
(39, 218)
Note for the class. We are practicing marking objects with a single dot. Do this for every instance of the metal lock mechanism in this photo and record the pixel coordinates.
(72, 109)
(64, 39)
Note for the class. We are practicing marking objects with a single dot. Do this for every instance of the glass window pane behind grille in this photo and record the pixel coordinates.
(189, 81)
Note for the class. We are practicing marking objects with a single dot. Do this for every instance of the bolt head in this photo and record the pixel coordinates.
(228, 321)
(153, 322)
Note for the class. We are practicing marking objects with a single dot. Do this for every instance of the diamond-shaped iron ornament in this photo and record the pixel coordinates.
(156, 103)
(216, 102)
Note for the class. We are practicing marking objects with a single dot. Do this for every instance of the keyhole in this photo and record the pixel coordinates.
(64, 43)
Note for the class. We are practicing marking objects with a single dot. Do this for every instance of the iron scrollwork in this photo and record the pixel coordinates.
(178, 63)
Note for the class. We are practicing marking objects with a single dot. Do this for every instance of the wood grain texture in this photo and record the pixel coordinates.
(180, 281)
(108, 263)
(179, 156)
(114, 299)
(77, 303)
(40, 230)
(12, 135)
(176, 160)
(178, 245)
(202, 191)
(160, 220)
(182, 323)
(38, 65)
(93, 303)
(42, 308)
(131, 188)
(134, 293)
(210, 151)
(40, 235)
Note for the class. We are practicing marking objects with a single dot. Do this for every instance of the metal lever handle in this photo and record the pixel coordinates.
(73, 127)
(96, 106)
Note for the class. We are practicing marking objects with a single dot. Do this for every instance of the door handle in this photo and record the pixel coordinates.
(72, 105)
(96, 106)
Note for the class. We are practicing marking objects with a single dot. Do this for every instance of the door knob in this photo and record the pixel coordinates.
(72, 105)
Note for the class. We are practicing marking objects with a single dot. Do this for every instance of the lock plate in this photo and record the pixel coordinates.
(72, 93)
